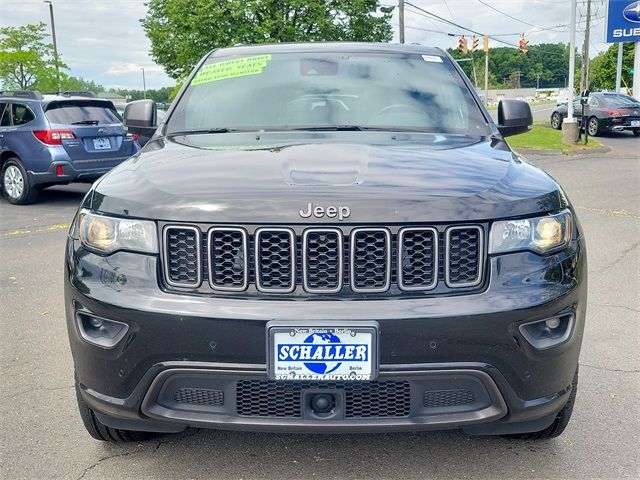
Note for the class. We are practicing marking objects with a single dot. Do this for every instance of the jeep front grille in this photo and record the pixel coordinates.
(324, 260)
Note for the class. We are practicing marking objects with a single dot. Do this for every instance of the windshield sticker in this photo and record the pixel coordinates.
(432, 58)
(238, 67)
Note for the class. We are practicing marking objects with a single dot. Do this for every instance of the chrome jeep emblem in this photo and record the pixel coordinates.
(332, 211)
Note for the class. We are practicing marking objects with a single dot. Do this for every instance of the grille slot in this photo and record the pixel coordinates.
(200, 396)
(417, 258)
(322, 260)
(228, 259)
(464, 256)
(275, 257)
(448, 398)
(370, 260)
(182, 263)
(264, 398)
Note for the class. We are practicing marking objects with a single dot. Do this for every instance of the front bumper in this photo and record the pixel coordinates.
(434, 344)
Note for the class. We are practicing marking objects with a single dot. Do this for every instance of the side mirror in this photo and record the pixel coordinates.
(514, 117)
(141, 118)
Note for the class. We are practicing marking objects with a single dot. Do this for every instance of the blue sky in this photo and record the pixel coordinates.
(104, 41)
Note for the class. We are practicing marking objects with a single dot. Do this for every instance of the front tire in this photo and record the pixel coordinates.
(15, 183)
(593, 127)
(99, 431)
(559, 423)
(556, 121)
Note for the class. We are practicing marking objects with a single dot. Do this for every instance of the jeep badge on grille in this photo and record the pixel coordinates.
(332, 211)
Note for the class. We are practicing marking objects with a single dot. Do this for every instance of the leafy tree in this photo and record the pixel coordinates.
(602, 68)
(548, 60)
(183, 31)
(79, 84)
(26, 60)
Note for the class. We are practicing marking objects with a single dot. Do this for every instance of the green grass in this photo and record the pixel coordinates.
(543, 137)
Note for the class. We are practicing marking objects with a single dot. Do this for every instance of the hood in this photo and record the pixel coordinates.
(177, 180)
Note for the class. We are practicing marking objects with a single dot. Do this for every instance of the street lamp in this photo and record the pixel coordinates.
(55, 44)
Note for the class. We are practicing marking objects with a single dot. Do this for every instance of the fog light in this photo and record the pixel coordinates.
(100, 331)
(548, 332)
(59, 171)
(96, 322)
(552, 323)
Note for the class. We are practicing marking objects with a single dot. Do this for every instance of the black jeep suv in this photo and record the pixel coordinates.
(326, 238)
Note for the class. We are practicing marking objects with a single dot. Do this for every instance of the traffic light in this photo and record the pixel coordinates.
(523, 46)
(485, 44)
(462, 45)
(474, 44)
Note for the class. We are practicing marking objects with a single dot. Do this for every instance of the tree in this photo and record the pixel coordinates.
(548, 60)
(183, 31)
(26, 60)
(602, 69)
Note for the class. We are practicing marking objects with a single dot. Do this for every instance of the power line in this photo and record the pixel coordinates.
(517, 19)
(437, 17)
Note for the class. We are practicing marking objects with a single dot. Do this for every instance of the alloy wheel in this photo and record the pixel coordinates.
(13, 181)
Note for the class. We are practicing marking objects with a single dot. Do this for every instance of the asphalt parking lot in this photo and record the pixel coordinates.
(42, 437)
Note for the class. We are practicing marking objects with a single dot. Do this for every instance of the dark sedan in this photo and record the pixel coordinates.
(607, 112)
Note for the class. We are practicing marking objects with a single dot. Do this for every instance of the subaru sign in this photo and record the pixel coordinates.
(623, 21)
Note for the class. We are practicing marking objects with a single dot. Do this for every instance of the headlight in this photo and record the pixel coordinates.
(108, 234)
(540, 234)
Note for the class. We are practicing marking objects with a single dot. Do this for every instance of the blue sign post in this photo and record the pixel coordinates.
(623, 25)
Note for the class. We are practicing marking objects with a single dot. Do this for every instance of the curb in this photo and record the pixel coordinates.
(555, 153)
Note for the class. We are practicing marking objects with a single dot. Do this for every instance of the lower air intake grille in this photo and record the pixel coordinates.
(262, 398)
(448, 398)
(200, 396)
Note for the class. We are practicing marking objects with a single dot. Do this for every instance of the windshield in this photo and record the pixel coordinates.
(621, 101)
(82, 112)
(322, 91)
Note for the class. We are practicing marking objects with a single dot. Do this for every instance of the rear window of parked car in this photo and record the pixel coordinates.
(621, 101)
(22, 114)
(82, 112)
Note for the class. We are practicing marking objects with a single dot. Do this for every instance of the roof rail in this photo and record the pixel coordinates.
(34, 94)
(72, 93)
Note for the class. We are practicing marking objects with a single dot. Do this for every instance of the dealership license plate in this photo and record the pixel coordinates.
(322, 353)
(101, 143)
(635, 123)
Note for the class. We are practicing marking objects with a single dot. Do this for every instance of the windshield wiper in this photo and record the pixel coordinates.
(86, 122)
(330, 128)
(206, 131)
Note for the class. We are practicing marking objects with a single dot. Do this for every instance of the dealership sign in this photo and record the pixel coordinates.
(623, 21)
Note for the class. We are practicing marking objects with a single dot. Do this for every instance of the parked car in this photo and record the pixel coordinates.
(607, 112)
(562, 98)
(56, 139)
(358, 251)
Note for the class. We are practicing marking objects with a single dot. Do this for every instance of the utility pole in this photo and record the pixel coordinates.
(401, 19)
(144, 84)
(636, 72)
(537, 81)
(619, 66)
(584, 84)
(55, 44)
(485, 47)
(569, 126)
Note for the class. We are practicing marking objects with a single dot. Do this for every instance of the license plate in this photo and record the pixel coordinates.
(101, 143)
(635, 123)
(334, 352)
